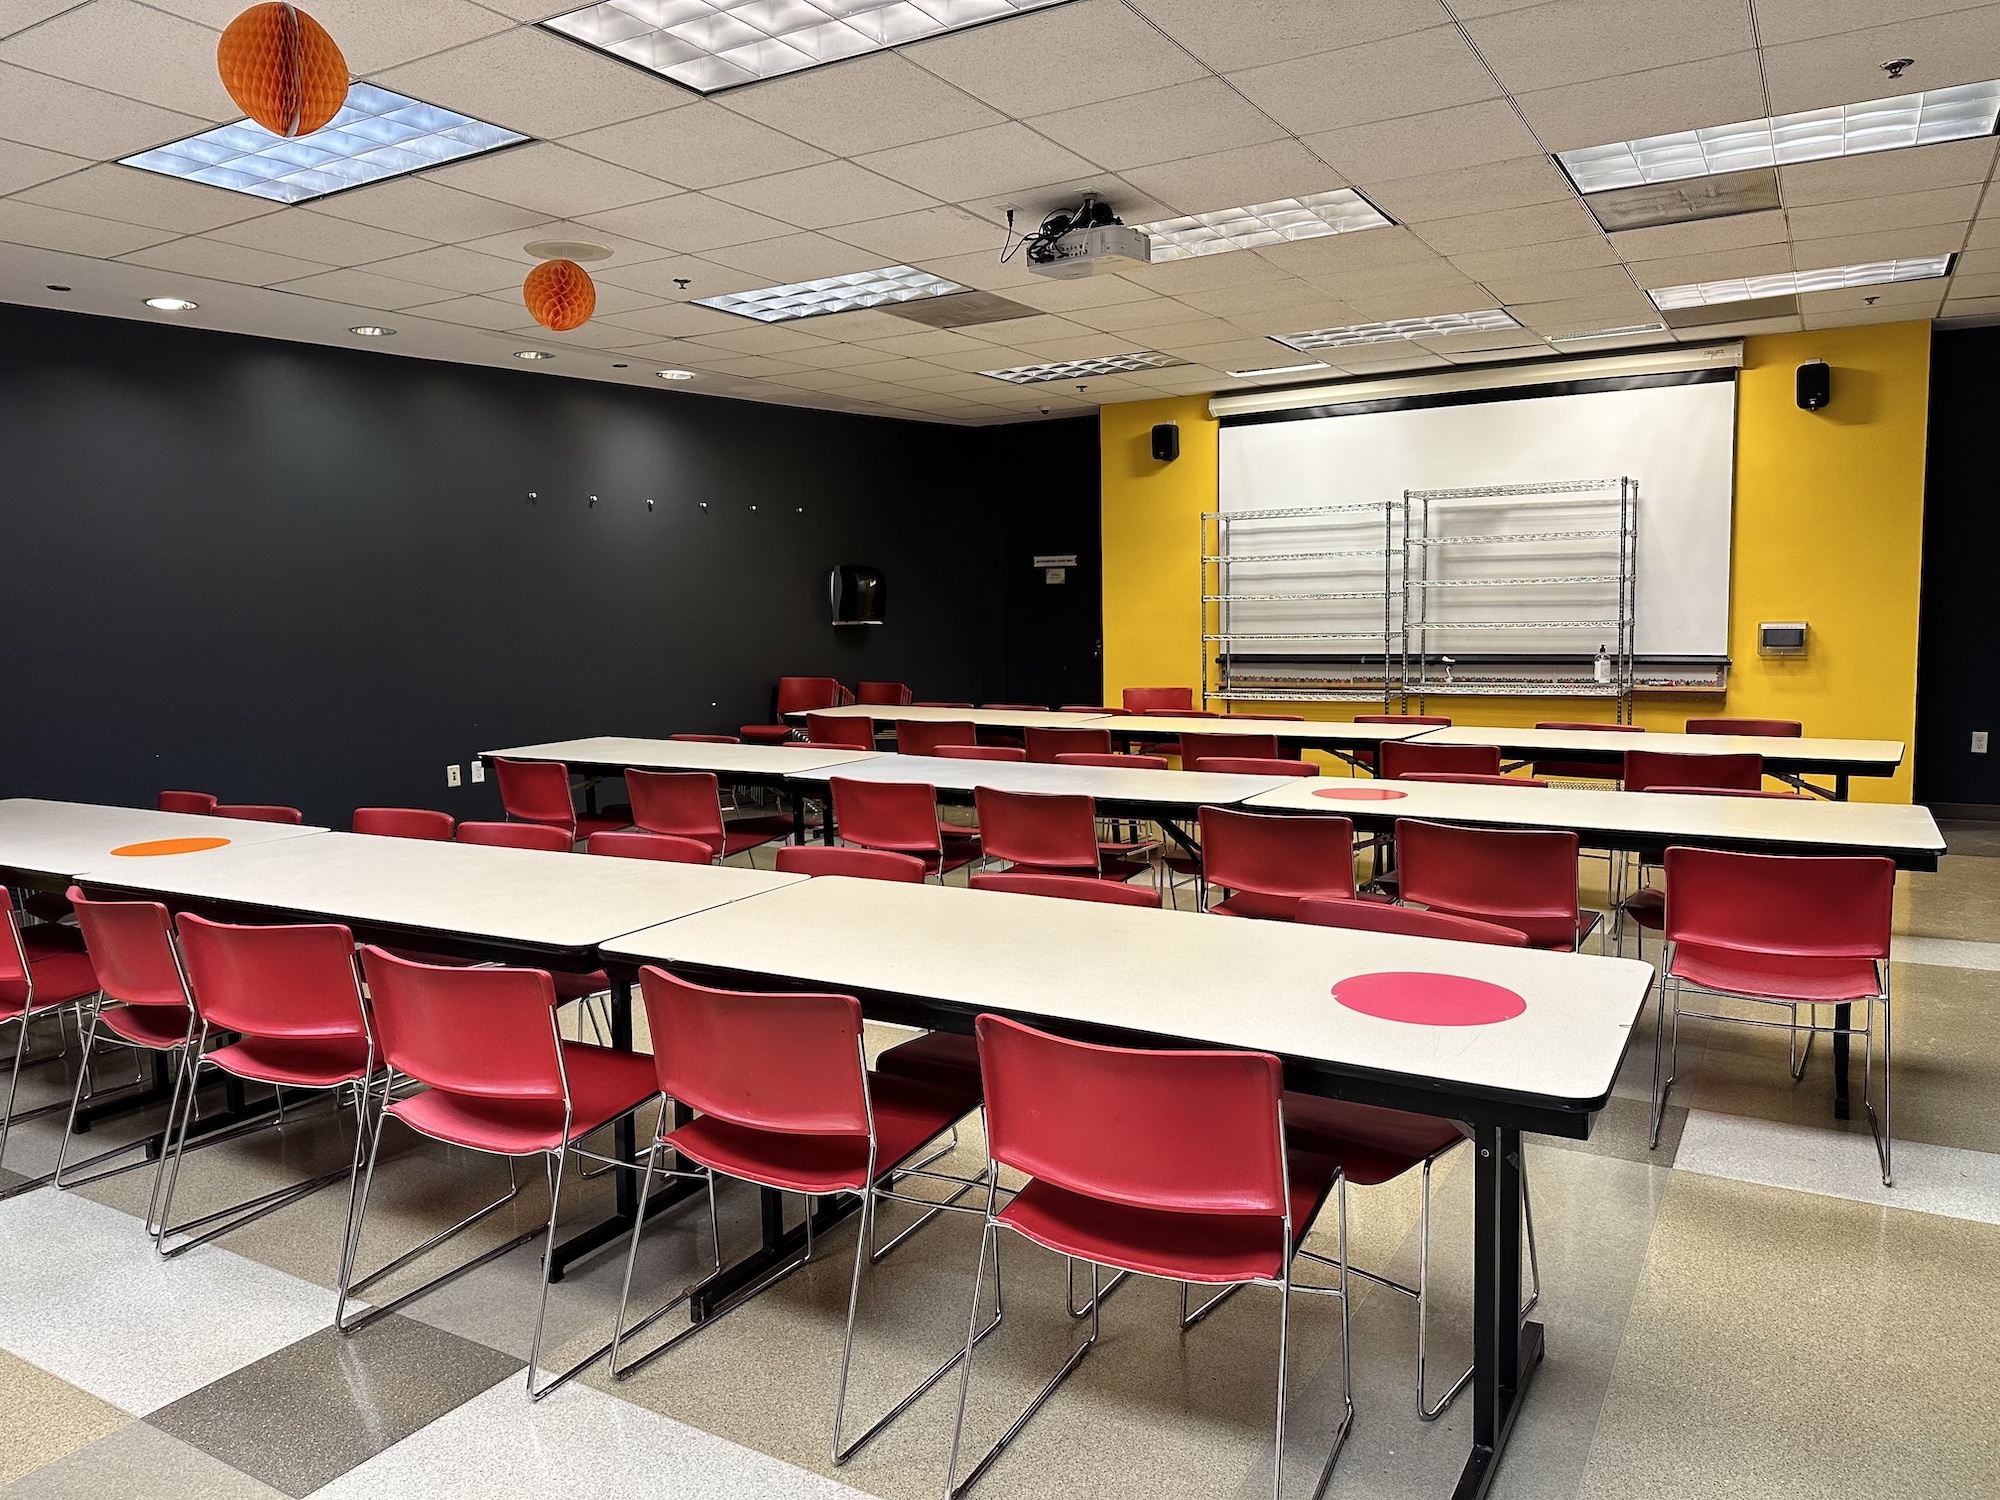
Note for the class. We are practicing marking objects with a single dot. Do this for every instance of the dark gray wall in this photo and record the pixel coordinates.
(295, 574)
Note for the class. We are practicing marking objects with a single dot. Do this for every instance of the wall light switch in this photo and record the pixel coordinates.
(1978, 742)
(478, 772)
(451, 775)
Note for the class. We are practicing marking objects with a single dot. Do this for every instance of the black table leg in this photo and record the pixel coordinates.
(729, 1285)
(1504, 1350)
(826, 828)
(1840, 787)
(1843, 1017)
(798, 818)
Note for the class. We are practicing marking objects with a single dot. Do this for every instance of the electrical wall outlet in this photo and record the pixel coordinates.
(451, 775)
(1978, 742)
(478, 772)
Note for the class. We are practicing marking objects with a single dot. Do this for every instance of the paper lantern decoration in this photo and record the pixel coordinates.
(560, 295)
(282, 69)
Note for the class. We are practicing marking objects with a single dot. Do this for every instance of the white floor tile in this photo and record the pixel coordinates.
(84, 1295)
(578, 1442)
(1945, 1180)
(1950, 953)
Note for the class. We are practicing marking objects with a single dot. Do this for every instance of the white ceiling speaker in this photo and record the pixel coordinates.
(576, 250)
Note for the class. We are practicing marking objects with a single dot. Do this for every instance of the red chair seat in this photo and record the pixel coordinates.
(907, 1114)
(317, 1063)
(61, 975)
(148, 1025)
(767, 826)
(1375, 1145)
(939, 1057)
(1208, 1247)
(577, 986)
(608, 821)
(1775, 976)
(603, 1084)
(1111, 869)
(50, 937)
(765, 734)
(1555, 933)
(1648, 907)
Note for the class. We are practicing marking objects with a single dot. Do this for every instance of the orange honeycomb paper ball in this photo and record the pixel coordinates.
(282, 69)
(560, 295)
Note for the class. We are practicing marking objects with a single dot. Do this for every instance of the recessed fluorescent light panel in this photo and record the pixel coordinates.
(1791, 283)
(1952, 114)
(1271, 370)
(717, 44)
(1630, 330)
(833, 294)
(1442, 326)
(1304, 218)
(376, 135)
(1083, 369)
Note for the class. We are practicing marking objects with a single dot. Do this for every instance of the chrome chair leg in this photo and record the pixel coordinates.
(1069, 1288)
(1879, 1127)
(1665, 1066)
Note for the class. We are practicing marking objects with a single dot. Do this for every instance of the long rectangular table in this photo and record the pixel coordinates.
(44, 842)
(937, 956)
(985, 718)
(1336, 738)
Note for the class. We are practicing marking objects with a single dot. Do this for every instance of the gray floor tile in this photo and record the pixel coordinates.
(141, 1462)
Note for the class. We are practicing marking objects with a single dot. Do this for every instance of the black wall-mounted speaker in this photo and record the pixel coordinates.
(1815, 385)
(1167, 442)
(860, 594)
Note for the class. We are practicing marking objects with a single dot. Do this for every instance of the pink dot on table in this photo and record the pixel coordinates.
(1359, 793)
(1429, 999)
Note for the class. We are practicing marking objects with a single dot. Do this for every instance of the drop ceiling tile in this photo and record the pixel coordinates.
(861, 325)
(535, 82)
(924, 343)
(371, 35)
(1368, 283)
(309, 235)
(1948, 164)
(1205, 272)
(751, 339)
(411, 205)
(1975, 263)
(1890, 244)
(1396, 249)
(1246, 33)
(1537, 224)
(113, 192)
(907, 238)
(1088, 292)
(1466, 135)
(1246, 353)
(365, 289)
(592, 335)
(698, 146)
(982, 269)
(1748, 328)
(1237, 301)
(1917, 299)
(552, 180)
(1972, 307)
(1079, 53)
(1217, 180)
(1416, 73)
(1140, 313)
(1846, 317)
(18, 15)
(1961, 47)
(53, 113)
(131, 50)
(1160, 126)
(842, 109)
(1170, 338)
(704, 278)
(1328, 312)
(817, 197)
(451, 267)
(1033, 204)
(1985, 232)
(1732, 233)
(1420, 302)
(1597, 281)
(979, 163)
(1575, 41)
(1715, 265)
(493, 313)
(836, 356)
(1780, 21)
(79, 234)
(689, 222)
(1718, 91)
(1471, 190)
(218, 261)
(1939, 206)
(513, 245)
(672, 319)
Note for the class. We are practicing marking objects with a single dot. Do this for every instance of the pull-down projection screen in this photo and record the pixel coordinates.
(1674, 434)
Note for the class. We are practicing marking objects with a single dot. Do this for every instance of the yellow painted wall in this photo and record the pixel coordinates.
(1829, 528)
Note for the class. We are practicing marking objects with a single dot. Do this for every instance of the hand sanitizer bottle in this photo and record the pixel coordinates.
(1602, 671)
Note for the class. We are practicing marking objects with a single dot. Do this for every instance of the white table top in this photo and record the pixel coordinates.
(1208, 980)
(985, 718)
(1837, 827)
(513, 896)
(683, 755)
(1311, 732)
(1880, 756)
(1106, 783)
(62, 838)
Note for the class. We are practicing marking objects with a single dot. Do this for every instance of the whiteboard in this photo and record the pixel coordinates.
(1676, 440)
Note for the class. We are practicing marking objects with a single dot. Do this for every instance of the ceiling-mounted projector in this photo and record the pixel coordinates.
(1073, 244)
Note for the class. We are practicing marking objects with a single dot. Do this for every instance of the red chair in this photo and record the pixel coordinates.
(1269, 862)
(1401, 757)
(1404, 921)
(1780, 930)
(688, 805)
(855, 863)
(1013, 753)
(187, 802)
(1046, 746)
(1582, 770)
(797, 695)
(1199, 747)
(1365, 758)
(1069, 887)
(1645, 769)
(1519, 878)
(1772, 729)
(404, 823)
(537, 791)
(891, 694)
(1048, 833)
(1254, 765)
(707, 739)
(784, 1099)
(1122, 762)
(292, 998)
(42, 973)
(918, 737)
(257, 812)
(498, 1078)
(636, 844)
(1167, 1164)
(1467, 778)
(517, 836)
(837, 730)
(901, 817)
(1177, 700)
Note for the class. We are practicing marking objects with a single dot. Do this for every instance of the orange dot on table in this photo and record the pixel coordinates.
(1423, 999)
(1359, 793)
(152, 847)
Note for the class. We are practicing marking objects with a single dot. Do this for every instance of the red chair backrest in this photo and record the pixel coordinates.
(1046, 830)
(893, 693)
(132, 949)
(517, 836)
(1253, 765)
(1283, 855)
(857, 864)
(707, 739)
(1196, 747)
(1524, 879)
(1467, 778)
(981, 752)
(258, 812)
(686, 804)
(900, 816)
(187, 802)
(535, 791)
(273, 981)
(1114, 1123)
(1400, 757)
(404, 823)
(1158, 700)
(1114, 762)
(1405, 921)
(631, 844)
(1799, 906)
(1044, 745)
(838, 729)
(797, 694)
(1651, 768)
(1070, 887)
(1772, 729)
(13, 955)
(916, 737)
(483, 1031)
(772, 1062)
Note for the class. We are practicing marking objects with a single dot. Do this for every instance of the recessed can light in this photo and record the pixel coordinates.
(534, 354)
(676, 374)
(170, 304)
(370, 331)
